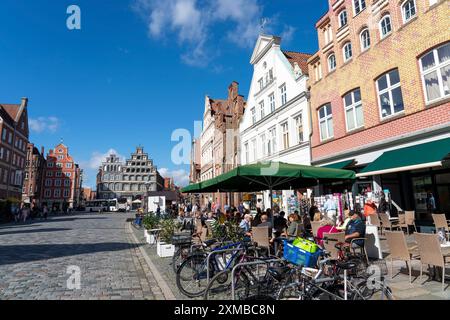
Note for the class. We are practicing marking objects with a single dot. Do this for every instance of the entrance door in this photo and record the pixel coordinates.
(443, 190)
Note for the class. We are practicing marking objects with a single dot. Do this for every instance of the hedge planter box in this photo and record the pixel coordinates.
(165, 250)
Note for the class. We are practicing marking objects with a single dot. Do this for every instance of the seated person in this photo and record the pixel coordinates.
(326, 226)
(356, 228)
(265, 223)
(280, 223)
(347, 219)
(291, 231)
(246, 225)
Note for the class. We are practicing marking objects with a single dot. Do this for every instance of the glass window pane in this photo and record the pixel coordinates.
(382, 83)
(432, 86)
(350, 119)
(446, 79)
(323, 130)
(328, 109)
(322, 113)
(330, 128)
(348, 99)
(397, 99)
(444, 53)
(357, 95)
(385, 104)
(427, 61)
(359, 116)
(394, 77)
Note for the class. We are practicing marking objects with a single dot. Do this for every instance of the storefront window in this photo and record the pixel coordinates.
(422, 186)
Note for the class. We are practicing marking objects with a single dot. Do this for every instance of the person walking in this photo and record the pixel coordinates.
(45, 211)
(330, 208)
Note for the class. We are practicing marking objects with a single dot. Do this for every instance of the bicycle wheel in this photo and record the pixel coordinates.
(220, 287)
(179, 256)
(291, 291)
(192, 276)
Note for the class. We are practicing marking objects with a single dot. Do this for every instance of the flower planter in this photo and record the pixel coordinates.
(165, 250)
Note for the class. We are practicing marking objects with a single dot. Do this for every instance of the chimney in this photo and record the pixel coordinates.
(24, 102)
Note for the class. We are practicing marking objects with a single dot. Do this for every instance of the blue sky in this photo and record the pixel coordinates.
(137, 69)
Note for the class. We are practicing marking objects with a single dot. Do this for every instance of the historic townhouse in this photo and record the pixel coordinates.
(380, 98)
(275, 125)
(219, 141)
(131, 179)
(13, 148)
(62, 180)
(34, 176)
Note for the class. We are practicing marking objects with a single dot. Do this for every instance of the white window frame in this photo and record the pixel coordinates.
(361, 39)
(272, 102)
(48, 193)
(344, 50)
(283, 94)
(253, 114)
(262, 111)
(361, 9)
(341, 18)
(403, 7)
(326, 119)
(330, 69)
(272, 141)
(254, 149)
(436, 68)
(389, 89)
(352, 107)
(285, 134)
(246, 154)
(298, 119)
(66, 193)
(263, 144)
(386, 16)
(57, 193)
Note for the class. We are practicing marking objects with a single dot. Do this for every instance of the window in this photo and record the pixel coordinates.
(283, 94)
(318, 71)
(353, 110)
(347, 51)
(48, 182)
(2, 151)
(342, 19)
(49, 174)
(253, 110)
(58, 183)
(272, 102)
(68, 174)
(68, 165)
(285, 132)
(58, 174)
(435, 71)
(326, 122)
(365, 39)
(328, 34)
(331, 62)
(49, 164)
(5, 176)
(433, 2)
(390, 94)
(299, 127)
(246, 153)
(263, 145)
(272, 144)
(261, 84)
(26, 175)
(359, 5)
(60, 157)
(254, 150)
(9, 138)
(385, 26)
(57, 193)
(48, 193)
(66, 183)
(59, 165)
(261, 109)
(409, 10)
(66, 193)
(4, 134)
(7, 155)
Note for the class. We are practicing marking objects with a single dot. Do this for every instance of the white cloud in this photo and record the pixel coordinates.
(42, 124)
(192, 22)
(97, 158)
(288, 33)
(180, 177)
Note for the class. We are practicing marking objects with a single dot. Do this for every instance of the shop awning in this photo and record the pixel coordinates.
(420, 156)
(339, 165)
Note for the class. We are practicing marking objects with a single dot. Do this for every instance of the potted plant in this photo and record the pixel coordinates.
(164, 246)
(150, 222)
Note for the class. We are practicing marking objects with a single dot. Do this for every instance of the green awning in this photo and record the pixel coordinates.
(425, 155)
(339, 165)
(272, 175)
(192, 188)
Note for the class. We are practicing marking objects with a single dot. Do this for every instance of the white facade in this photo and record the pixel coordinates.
(276, 124)
(207, 143)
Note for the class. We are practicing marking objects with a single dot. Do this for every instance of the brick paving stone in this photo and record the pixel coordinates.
(35, 257)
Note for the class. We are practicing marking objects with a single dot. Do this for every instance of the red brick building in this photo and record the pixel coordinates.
(380, 98)
(34, 174)
(62, 180)
(13, 148)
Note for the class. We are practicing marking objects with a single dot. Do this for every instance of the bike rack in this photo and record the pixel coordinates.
(248, 264)
(208, 258)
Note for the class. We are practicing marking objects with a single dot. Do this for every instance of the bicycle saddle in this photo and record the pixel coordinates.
(347, 265)
(278, 272)
(209, 243)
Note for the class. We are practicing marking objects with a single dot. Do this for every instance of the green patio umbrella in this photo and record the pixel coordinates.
(192, 188)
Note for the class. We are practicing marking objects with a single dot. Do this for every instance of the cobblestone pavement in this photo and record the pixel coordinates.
(34, 258)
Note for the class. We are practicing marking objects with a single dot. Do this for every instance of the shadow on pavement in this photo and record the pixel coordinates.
(34, 252)
(34, 231)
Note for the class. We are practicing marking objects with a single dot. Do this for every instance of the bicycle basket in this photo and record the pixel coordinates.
(299, 256)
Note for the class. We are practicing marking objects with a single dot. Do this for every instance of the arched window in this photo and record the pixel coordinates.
(435, 72)
(342, 18)
(348, 52)
(390, 96)
(365, 39)
(408, 10)
(326, 122)
(331, 62)
(385, 26)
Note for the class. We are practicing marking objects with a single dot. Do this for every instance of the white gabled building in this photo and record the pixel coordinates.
(276, 124)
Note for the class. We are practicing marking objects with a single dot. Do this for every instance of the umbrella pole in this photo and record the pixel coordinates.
(271, 203)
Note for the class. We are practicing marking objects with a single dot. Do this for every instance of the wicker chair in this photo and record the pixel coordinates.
(410, 220)
(440, 222)
(315, 225)
(398, 249)
(261, 237)
(387, 224)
